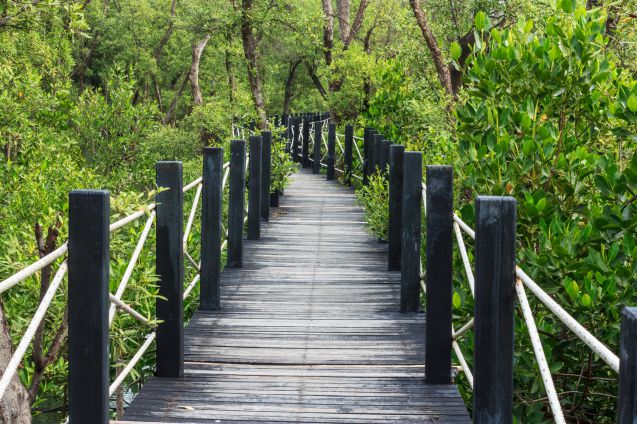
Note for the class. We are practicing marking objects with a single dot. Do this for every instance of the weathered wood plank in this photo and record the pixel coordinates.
(309, 331)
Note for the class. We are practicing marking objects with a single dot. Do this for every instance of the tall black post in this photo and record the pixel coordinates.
(236, 203)
(331, 151)
(348, 153)
(287, 122)
(305, 151)
(211, 229)
(386, 145)
(396, 155)
(627, 411)
(411, 232)
(439, 266)
(366, 154)
(318, 141)
(254, 194)
(494, 309)
(266, 170)
(377, 154)
(88, 267)
(169, 265)
(296, 139)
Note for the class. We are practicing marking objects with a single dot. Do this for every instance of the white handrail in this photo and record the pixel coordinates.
(571, 323)
(129, 367)
(36, 266)
(125, 307)
(192, 184)
(540, 357)
(131, 264)
(191, 216)
(465, 257)
(17, 356)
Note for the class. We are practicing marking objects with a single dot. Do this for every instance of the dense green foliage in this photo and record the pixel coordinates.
(542, 107)
(548, 119)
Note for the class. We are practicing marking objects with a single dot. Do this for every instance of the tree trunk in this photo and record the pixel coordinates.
(358, 23)
(84, 62)
(466, 42)
(316, 80)
(170, 114)
(197, 51)
(15, 406)
(167, 34)
(287, 96)
(252, 61)
(367, 85)
(442, 69)
(343, 8)
(232, 81)
(328, 30)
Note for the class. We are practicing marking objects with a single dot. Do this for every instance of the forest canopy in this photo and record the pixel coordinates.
(537, 100)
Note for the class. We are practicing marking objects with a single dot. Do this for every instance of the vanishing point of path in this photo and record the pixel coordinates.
(309, 331)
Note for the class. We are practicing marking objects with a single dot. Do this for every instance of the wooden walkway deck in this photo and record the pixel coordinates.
(309, 331)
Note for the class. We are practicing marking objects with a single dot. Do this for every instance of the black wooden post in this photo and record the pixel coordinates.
(305, 151)
(236, 203)
(296, 139)
(288, 134)
(211, 229)
(411, 232)
(266, 170)
(331, 151)
(254, 193)
(169, 264)
(494, 309)
(366, 154)
(439, 265)
(371, 168)
(627, 411)
(386, 145)
(396, 154)
(318, 133)
(89, 371)
(377, 156)
(348, 153)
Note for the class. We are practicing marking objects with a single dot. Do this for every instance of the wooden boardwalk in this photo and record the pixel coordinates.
(308, 332)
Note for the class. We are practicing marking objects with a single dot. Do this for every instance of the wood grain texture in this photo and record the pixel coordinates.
(309, 331)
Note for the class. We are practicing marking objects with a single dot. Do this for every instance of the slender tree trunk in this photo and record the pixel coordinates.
(367, 85)
(15, 405)
(466, 42)
(442, 69)
(170, 114)
(167, 34)
(328, 31)
(358, 23)
(311, 70)
(232, 81)
(287, 96)
(159, 50)
(84, 62)
(252, 61)
(343, 8)
(197, 51)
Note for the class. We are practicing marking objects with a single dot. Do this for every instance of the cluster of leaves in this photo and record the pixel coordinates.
(548, 118)
(374, 198)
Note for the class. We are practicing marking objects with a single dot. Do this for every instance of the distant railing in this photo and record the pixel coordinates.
(496, 283)
(85, 257)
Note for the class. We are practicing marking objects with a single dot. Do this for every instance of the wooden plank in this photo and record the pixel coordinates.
(309, 330)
